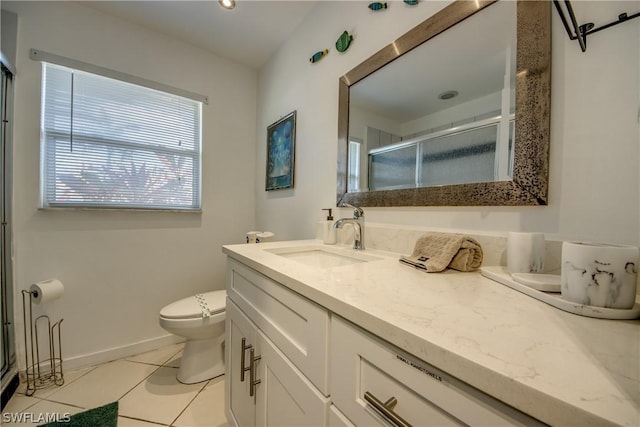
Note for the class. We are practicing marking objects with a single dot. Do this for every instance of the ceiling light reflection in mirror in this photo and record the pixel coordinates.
(227, 4)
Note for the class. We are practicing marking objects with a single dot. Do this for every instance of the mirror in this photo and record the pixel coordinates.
(425, 124)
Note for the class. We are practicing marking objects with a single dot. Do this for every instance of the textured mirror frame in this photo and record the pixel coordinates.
(529, 185)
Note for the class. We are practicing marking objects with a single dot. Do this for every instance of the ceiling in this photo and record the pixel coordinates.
(248, 34)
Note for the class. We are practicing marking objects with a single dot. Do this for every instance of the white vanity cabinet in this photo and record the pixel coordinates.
(289, 361)
(376, 384)
(276, 353)
(451, 348)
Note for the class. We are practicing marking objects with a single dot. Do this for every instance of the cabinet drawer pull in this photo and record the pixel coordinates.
(253, 382)
(245, 347)
(386, 409)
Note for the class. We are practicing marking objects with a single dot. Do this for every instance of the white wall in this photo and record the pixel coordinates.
(463, 112)
(595, 183)
(360, 120)
(120, 268)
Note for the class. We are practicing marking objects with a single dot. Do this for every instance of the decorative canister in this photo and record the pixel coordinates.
(600, 275)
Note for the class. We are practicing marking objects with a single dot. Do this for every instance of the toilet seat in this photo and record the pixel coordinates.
(191, 308)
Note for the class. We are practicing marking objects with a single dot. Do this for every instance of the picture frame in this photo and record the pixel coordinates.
(281, 144)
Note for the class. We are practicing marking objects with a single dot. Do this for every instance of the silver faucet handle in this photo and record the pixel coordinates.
(357, 211)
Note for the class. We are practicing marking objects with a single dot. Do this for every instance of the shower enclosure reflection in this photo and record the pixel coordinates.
(459, 155)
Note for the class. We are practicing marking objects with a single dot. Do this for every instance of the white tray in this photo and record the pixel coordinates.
(501, 275)
(538, 281)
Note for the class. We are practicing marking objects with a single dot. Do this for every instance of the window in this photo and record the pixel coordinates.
(107, 143)
(354, 165)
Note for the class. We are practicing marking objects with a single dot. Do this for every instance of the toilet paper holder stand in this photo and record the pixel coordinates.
(47, 372)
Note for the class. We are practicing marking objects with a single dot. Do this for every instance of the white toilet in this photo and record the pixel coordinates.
(199, 319)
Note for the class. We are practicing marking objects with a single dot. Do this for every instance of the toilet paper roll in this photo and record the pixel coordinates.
(525, 252)
(46, 291)
(265, 235)
(252, 236)
(258, 236)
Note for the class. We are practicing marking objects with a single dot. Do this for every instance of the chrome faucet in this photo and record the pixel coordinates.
(358, 225)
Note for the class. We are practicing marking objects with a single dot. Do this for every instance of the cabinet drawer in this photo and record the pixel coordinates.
(364, 364)
(297, 326)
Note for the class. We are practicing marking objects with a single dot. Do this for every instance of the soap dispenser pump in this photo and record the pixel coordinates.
(328, 232)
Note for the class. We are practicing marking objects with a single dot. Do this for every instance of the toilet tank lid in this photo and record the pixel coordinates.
(191, 306)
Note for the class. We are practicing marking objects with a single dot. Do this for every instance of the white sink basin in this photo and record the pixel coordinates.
(322, 256)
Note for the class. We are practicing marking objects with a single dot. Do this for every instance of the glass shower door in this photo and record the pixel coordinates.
(7, 344)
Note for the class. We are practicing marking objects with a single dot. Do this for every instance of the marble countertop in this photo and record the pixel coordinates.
(560, 368)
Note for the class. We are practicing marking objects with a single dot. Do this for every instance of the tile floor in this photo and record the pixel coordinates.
(145, 387)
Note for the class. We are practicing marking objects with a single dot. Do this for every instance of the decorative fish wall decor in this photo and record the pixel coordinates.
(377, 6)
(344, 41)
(411, 2)
(318, 56)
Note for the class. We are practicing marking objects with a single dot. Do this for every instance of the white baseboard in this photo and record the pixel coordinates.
(115, 353)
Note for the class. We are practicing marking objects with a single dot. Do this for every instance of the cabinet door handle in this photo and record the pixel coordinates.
(386, 409)
(245, 347)
(253, 382)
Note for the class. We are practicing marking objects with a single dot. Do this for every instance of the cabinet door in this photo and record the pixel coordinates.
(296, 325)
(285, 397)
(240, 333)
(337, 418)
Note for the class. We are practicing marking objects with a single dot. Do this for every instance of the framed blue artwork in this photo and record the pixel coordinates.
(281, 144)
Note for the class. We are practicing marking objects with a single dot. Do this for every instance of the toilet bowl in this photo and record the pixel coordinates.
(200, 320)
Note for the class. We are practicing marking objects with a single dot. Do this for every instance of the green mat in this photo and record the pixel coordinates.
(102, 416)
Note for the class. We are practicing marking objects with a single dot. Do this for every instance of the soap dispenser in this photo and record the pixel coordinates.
(328, 232)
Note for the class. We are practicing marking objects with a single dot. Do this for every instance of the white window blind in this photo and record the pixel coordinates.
(112, 144)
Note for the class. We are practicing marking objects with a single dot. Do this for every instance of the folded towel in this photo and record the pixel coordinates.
(435, 252)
